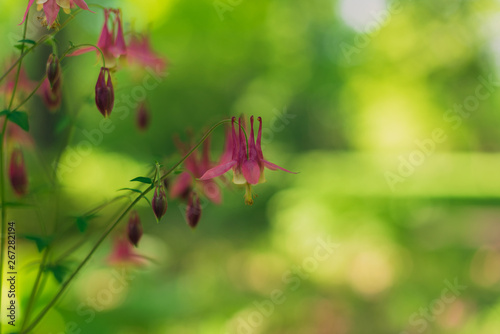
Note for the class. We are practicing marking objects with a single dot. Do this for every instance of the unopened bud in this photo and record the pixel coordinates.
(193, 210)
(143, 117)
(104, 93)
(17, 173)
(159, 202)
(134, 228)
(53, 69)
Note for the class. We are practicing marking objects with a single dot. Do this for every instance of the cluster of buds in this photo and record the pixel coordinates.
(51, 87)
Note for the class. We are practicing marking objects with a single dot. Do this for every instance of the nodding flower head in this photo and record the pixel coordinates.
(104, 93)
(111, 40)
(159, 202)
(51, 9)
(17, 173)
(247, 161)
(134, 228)
(193, 209)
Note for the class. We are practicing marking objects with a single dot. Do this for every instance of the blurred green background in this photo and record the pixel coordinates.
(389, 111)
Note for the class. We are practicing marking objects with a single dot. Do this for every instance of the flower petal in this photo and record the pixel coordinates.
(272, 166)
(82, 5)
(251, 171)
(218, 170)
(27, 10)
(51, 10)
(180, 185)
(82, 51)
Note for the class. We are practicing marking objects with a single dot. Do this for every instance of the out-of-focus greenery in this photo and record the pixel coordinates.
(405, 185)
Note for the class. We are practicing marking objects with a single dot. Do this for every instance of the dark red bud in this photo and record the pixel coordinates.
(159, 202)
(143, 117)
(17, 173)
(193, 210)
(52, 96)
(104, 93)
(53, 69)
(166, 183)
(134, 228)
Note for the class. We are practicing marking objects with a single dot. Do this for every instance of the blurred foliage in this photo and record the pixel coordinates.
(360, 104)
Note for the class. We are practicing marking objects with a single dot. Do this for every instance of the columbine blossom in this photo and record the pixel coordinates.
(139, 52)
(123, 253)
(51, 8)
(111, 40)
(248, 166)
(196, 166)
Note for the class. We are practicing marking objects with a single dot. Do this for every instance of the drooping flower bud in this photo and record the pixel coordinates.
(159, 202)
(104, 93)
(193, 210)
(143, 117)
(53, 69)
(51, 96)
(134, 228)
(17, 173)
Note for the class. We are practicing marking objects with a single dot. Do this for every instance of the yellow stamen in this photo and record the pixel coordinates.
(248, 194)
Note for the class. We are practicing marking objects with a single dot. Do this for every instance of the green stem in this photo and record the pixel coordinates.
(3, 236)
(108, 231)
(40, 41)
(35, 287)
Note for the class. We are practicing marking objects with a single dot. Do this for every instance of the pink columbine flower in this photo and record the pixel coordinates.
(104, 93)
(196, 166)
(139, 52)
(123, 253)
(248, 166)
(51, 8)
(111, 40)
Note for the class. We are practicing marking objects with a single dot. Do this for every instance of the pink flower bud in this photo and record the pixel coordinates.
(17, 173)
(53, 69)
(134, 228)
(193, 210)
(143, 117)
(159, 202)
(104, 93)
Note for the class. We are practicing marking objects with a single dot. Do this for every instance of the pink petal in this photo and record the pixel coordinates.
(180, 185)
(119, 47)
(212, 191)
(27, 10)
(51, 10)
(251, 171)
(218, 170)
(82, 51)
(82, 5)
(272, 166)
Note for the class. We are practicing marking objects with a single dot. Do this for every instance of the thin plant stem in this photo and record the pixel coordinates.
(111, 228)
(3, 235)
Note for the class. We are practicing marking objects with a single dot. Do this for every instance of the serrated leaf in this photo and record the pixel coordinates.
(131, 189)
(142, 179)
(21, 119)
(59, 271)
(41, 242)
(27, 41)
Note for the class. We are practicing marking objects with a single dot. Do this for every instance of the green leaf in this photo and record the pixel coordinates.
(27, 41)
(142, 179)
(16, 204)
(20, 118)
(147, 200)
(19, 46)
(59, 271)
(41, 242)
(134, 190)
(4, 112)
(178, 172)
(82, 222)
